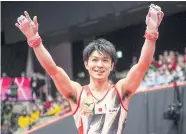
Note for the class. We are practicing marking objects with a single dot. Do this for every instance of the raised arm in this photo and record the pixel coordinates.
(136, 73)
(63, 83)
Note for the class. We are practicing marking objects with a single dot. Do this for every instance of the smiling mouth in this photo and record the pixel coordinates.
(99, 71)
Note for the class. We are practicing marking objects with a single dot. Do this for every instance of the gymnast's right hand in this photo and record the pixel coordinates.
(28, 27)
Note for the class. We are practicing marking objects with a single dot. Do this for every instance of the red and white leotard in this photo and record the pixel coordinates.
(105, 116)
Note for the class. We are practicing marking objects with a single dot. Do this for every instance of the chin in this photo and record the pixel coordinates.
(100, 77)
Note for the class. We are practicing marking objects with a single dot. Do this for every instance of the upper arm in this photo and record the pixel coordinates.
(132, 81)
(65, 86)
(134, 77)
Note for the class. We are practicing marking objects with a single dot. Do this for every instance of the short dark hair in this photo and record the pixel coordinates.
(101, 45)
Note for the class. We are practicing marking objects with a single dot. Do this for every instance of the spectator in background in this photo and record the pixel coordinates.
(155, 63)
(4, 74)
(5, 128)
(24, 119)
(48, 103)
(23, 75)
(43, 92)
(37, 81)
(12, 92)
(34, 114)
(7, 118)
(184, 57)
(34, 86)
(184, 75)
(165, 54)
(172, 60)
(168, 76)
(180, 73)
(134, 61)
(65, 106)
(41, 108)
(59, 97)
(55, 109)
(180, 59)
(160, 60)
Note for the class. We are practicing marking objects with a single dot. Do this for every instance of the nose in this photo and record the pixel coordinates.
(99, 63)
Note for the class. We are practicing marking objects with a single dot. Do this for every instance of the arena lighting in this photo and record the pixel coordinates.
(119, 54)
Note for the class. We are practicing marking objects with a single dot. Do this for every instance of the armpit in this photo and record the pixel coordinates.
(72, 98)
(126, 94)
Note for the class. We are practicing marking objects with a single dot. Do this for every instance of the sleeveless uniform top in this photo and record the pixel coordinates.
(105, 116)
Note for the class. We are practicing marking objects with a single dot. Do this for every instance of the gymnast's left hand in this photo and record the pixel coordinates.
(154, 17)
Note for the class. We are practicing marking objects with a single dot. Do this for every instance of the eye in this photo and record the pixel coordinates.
(94, 59)
(105, 60)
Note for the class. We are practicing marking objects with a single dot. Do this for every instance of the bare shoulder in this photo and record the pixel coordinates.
(120, 84)
(77, 87)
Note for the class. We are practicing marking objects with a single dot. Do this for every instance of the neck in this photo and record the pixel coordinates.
(98, 85)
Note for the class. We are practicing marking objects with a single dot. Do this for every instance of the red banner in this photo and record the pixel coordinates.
(24, 90)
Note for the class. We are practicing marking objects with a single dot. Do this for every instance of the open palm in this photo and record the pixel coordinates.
(28, 27)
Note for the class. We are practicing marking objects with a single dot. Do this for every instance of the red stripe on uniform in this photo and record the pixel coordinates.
(79, 99)
(80, 129)
(121, 101)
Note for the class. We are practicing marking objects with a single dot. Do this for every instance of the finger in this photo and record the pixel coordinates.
(23, 18)
(35, 20)
(160, 17)
(27, 16)
(18, 26)
(150, 8)
(148, 15)
(19, 20)
(162, 14)
(151, 5)
(157, 8)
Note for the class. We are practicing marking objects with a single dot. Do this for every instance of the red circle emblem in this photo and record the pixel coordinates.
(100, 109)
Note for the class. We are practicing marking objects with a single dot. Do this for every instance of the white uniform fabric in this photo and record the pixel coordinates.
(105, 116)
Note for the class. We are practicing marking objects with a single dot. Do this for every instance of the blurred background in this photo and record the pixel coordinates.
(29, 97)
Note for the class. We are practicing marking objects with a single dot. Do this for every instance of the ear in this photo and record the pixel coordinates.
(112, 66)
(86, 64)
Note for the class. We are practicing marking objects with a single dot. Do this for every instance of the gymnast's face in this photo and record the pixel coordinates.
(99, 65)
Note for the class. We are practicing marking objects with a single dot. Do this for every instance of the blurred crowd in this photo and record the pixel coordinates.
(169, 67)
(17, 114)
